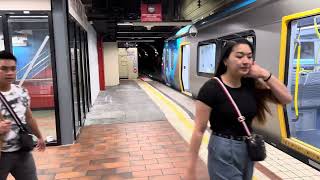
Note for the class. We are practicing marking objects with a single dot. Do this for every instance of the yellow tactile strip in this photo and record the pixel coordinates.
(176, 116)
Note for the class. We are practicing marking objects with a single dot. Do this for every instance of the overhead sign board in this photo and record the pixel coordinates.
(151, 12)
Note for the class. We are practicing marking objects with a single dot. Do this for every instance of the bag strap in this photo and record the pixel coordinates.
(12, 112)
(240, 118)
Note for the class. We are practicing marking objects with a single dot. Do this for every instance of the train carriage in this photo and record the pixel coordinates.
(286, 37)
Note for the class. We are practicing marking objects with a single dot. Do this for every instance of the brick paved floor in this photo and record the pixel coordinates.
(140, 151)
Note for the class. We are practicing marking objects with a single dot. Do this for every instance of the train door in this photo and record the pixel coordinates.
(304, 82)
(186, 67)
(301, 130)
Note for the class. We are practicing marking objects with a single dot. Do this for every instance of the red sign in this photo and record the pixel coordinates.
(151, 12)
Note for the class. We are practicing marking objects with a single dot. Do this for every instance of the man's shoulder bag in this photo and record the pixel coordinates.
(25, 137)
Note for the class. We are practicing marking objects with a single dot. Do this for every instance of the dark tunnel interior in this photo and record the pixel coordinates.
(149, 59)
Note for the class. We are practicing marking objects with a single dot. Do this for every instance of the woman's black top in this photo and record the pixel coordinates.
(223, 118)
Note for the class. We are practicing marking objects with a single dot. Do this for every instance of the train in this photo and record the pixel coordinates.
(285, 34)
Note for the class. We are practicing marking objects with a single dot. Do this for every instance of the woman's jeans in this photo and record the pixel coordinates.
(228, 159)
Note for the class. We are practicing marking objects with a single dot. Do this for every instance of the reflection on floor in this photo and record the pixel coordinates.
(46, 122)
(311, 137)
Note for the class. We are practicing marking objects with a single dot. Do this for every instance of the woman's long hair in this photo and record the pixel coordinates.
(261, 95)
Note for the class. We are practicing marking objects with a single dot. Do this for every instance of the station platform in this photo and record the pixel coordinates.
(140, 130)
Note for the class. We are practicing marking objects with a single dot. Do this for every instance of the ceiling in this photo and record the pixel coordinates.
(119, 20)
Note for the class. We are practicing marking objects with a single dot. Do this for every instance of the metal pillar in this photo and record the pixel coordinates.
(59, 10)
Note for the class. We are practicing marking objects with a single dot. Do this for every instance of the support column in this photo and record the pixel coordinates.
(101, 63)
(59, 9)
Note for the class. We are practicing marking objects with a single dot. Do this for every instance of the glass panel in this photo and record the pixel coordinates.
(79, 64)
(86, 57)
(1, 36)
(168, 56)
(171, 61)
(30, 43)
(304, 80)
(88, 70)
(84, 74)
(207, 58)
(73, 61)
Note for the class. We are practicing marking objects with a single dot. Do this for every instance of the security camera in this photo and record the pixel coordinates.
(193, 31)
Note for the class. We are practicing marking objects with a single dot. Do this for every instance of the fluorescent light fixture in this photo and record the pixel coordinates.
(143, 32)
(14, 16)
(155, 37)
(136, 40)
(125, 24)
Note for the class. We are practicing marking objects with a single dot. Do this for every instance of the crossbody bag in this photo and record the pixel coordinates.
(255, 142)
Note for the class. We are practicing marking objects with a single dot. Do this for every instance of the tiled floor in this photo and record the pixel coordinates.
(140, 151)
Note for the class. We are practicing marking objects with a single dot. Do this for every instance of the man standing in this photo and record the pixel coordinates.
(13, 160)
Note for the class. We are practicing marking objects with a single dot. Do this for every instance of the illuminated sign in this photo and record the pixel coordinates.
(151, 12)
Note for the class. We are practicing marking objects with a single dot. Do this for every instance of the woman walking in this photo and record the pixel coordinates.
(251, 86)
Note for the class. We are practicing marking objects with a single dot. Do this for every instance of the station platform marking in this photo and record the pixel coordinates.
(182, 122)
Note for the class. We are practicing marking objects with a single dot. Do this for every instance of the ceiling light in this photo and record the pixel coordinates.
(149, 37)
(140, 40)
(125, 24)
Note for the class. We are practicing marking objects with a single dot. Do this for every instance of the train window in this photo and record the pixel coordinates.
(207, 58)
(303, 61)
(169, 59)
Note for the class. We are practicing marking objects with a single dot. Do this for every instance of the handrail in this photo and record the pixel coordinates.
(318, 34)
(316, 26)
(296, 91)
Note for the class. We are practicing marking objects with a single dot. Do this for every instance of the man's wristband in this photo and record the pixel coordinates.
(265, 80)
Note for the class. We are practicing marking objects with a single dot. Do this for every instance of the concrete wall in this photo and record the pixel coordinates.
(111, 65)
(25, 5)
(76, 9)
(130, 55)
